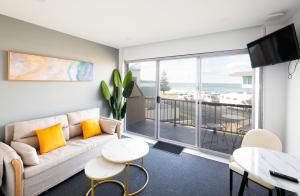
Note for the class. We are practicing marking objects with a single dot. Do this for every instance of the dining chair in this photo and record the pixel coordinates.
(256, 138)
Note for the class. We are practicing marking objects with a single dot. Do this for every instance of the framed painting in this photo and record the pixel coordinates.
(31, 67)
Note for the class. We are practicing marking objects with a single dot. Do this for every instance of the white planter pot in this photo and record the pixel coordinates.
(120, 128)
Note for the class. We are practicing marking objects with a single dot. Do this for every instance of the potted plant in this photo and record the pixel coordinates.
(116, 100)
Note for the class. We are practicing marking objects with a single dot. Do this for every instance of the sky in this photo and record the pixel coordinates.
(214, 69)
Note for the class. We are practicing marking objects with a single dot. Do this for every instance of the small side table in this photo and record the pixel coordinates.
(100, 171)
(126, 151)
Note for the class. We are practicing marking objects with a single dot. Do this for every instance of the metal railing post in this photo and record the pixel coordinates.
(175, 114)
(215, 114)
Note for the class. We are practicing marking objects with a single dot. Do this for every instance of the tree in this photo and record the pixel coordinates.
(164, 84)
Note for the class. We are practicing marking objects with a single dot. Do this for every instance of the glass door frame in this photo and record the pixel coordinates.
(256, 105)
(158, 120)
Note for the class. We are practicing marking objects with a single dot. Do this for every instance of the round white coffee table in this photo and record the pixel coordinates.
(127, 151)
(101, 171)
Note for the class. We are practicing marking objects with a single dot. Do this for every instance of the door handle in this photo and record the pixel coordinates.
(158, 99)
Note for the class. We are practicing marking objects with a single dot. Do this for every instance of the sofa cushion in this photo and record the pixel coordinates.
(108, 125)
(31, 141)
(28, 153)
(75, 118)
(45, 180)
(92, 142)
(9, 133)
(74, 147)
(75, 130)
(26, 129)
(90, 128)
(50, 138)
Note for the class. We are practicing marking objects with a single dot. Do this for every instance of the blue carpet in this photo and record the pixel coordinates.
(170, 175)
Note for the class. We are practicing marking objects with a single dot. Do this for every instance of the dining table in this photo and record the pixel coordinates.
(260, 161)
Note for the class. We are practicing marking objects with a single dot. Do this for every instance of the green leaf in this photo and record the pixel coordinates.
(123, 111)
(112, 101)
(114, 114)
(117, 78)
(127, 79)
(128, 89)
(105, 90)
(116, 93)
(114, 108)
(119, 103)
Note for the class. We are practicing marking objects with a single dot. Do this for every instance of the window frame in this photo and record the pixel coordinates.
(257, 83)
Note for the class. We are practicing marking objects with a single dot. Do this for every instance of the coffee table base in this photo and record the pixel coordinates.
(93, 186)
(127, 178)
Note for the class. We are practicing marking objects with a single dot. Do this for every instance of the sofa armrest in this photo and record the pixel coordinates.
(119, 128)
(13, 170)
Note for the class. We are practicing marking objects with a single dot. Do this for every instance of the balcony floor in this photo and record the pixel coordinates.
(209, 139)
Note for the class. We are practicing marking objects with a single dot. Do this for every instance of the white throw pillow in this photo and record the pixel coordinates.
(108, 125)
(28, 153)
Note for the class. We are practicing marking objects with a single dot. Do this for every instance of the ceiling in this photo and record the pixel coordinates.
(123, 23)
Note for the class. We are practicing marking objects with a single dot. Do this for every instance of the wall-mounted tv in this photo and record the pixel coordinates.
(277, 47)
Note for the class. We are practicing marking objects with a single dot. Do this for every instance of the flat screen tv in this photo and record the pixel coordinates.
(277, 47)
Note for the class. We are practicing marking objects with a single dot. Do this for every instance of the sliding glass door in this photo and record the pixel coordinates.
(141, 106)
(178, 96)
(203, 101)
(226, 101)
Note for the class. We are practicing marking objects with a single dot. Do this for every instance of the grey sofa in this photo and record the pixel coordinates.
(55, 166)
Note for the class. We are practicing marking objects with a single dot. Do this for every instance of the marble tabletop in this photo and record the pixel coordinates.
(125, 150)
(100, 169)
(259, 161)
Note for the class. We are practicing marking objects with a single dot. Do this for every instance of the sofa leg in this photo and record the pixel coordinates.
(18, 167)
(230, 181)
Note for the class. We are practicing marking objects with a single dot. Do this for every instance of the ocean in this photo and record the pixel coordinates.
(206, 87)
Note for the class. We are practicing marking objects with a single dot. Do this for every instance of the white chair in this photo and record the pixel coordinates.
(256, 138)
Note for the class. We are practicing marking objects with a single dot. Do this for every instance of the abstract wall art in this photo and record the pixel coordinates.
(31, 67)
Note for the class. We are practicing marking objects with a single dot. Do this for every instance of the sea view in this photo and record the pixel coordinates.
(206, 87)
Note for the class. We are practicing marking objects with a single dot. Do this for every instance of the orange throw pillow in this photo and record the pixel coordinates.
(90, 128)
(50, 138)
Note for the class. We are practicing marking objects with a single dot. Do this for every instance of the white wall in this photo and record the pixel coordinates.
(24, 100)
(229, 40)
(292, 142)
(274, 100)
(274, 94)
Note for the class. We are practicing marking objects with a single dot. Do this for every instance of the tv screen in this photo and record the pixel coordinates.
(277, 47)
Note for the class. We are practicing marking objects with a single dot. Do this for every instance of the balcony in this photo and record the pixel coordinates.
(222, 129)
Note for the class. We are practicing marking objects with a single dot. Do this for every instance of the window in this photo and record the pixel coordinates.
(201, 100)
(227, 116)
